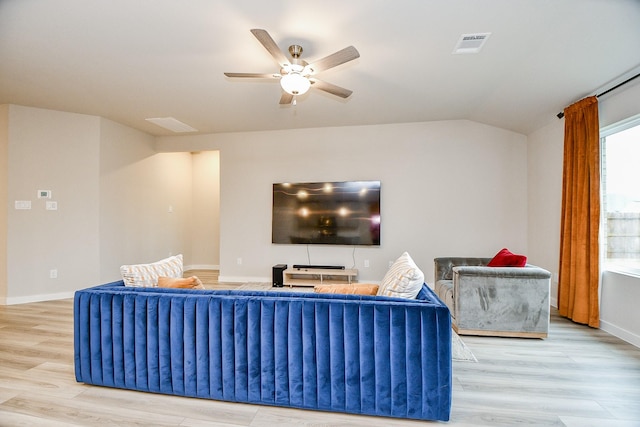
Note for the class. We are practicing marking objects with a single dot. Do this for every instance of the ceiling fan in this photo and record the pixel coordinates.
(296, 75)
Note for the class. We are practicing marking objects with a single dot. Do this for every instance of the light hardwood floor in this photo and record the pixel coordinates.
(576, 377)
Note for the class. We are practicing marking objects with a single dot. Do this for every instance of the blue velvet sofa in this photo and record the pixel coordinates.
(343, 353)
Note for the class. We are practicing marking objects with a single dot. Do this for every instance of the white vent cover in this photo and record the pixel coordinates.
(471, 43)
(172, 124)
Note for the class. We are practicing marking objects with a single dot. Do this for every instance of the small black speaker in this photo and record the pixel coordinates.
(278, 276)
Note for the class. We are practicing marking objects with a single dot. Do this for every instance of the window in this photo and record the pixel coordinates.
(620, 162)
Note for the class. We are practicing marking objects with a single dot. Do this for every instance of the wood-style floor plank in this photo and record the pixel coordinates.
(578, 376)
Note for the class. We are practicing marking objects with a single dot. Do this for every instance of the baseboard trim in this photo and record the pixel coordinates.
(621, 333)
(240, 279)
(37, 298)
(612, 329)
(507, 334)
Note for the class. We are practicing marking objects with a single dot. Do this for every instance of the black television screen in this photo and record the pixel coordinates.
(328, 213)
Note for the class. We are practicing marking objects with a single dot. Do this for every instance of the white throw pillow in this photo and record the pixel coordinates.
(146, 275)
(404, 279)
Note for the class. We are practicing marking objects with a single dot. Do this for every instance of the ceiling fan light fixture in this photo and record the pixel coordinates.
(295, 83)
(296, 75)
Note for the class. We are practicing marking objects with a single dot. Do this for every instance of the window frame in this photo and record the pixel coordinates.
(605, 264)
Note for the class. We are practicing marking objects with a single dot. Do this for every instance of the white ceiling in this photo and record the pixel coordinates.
(128, 60)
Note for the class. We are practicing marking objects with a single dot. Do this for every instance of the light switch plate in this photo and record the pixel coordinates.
(52, 206)
(23, 204)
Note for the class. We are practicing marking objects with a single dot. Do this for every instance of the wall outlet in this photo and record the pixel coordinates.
(53, 274)
(239, 261)
(366, 263)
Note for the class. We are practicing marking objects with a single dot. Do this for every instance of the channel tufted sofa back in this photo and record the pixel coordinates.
(344, 353)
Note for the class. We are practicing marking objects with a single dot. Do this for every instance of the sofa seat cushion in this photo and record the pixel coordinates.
(444, 290)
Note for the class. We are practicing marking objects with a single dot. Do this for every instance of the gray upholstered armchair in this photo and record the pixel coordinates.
(497, 301)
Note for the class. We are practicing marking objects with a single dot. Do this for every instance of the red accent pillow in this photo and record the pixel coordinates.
(505, 258)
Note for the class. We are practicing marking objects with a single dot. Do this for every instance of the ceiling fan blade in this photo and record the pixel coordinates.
(271, 46)
(254, 75)
(286, 98)
(340, 57)
(331, 88)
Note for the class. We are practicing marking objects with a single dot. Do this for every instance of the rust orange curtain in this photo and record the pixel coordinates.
(579, 274)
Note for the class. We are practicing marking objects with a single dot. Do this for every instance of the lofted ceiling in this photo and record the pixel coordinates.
(128, 60)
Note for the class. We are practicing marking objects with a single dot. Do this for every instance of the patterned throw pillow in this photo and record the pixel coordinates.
(404, 279)
(146, 275)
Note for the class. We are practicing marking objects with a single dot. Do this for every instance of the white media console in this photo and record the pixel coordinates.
(318, 276)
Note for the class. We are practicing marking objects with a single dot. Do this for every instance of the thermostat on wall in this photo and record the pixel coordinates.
(44, 194)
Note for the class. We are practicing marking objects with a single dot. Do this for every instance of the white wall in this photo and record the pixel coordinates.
(145, 200)
(4, 203)
(544, 167)
(619, 314)
(49, 150)
(113, 193)
(448, 188)
(205, 219)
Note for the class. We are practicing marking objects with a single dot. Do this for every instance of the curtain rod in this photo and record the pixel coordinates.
(561, 114)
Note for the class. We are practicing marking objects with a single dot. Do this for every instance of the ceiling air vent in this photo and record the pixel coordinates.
(471, 43)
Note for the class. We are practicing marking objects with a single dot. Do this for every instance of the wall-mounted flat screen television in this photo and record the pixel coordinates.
(326, 213)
